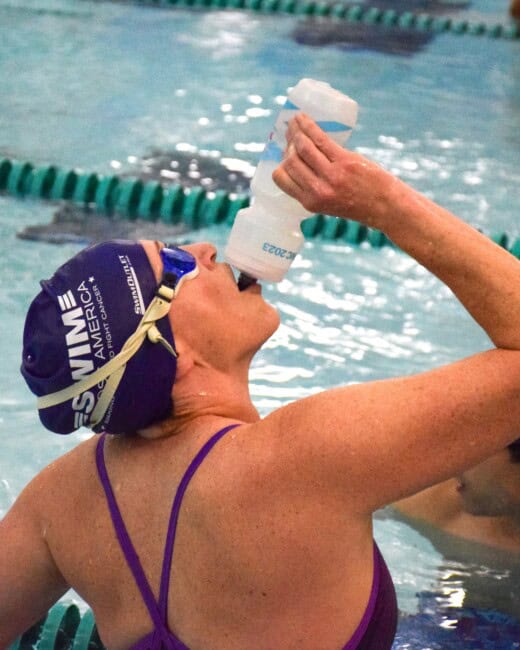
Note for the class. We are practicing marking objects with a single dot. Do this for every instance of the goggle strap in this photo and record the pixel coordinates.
(108, 393)
(157, 309)
(166, 292)
(156, 337)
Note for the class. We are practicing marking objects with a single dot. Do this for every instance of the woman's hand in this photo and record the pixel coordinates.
(328, 179)
(461, 413)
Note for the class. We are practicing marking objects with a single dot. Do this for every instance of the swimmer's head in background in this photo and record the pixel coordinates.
(514, 451)
(98, 349)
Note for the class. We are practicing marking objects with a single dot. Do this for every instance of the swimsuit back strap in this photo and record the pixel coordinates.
(128, 548)
(174, 516)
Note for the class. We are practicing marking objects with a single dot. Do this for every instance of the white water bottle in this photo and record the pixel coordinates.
(267, 236)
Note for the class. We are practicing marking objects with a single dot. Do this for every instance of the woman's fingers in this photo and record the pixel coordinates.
(315, 170)
(286, 183)
(304, 144)
(325, 178)
(303, 148)
(305, 168)
(292, 175)
(321, 141)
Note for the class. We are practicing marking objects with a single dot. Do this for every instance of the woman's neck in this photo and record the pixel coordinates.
(201, 398)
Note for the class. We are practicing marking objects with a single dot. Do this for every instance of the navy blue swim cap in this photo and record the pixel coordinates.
(79, 321)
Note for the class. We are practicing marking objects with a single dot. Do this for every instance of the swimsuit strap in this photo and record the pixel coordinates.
(127, 547)
(356, 638)
(174, 516)
(158, 613)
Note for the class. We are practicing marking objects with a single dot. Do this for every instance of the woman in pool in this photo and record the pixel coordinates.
(272, 518)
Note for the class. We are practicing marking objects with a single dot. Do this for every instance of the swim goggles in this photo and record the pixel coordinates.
(178, 266)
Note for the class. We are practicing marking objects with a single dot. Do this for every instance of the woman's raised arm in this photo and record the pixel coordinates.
(327, 178)
(410, 432)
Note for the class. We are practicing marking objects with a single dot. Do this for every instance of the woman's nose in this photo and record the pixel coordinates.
(205, 253)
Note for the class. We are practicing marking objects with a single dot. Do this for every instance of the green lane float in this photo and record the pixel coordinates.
(171, 205)
(62, 629)
(63, 186)
(85, 188)
(86, 637)
(59, 627)
(149, 202)
(130, 198)
(17, 179)
(42, 180)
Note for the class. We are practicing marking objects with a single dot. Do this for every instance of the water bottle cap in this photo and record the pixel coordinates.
(323, 102)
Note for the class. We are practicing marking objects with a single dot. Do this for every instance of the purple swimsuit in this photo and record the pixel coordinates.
(375, 632)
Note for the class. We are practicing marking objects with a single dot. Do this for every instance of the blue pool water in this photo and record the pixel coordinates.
(93, 84)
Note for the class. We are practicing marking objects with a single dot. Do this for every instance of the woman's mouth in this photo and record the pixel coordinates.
(245, 281)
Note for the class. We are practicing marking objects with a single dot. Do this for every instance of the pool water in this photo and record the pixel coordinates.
(93, 84)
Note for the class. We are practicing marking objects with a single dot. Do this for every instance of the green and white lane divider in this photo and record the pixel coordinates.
(371, 15)
(64, 628)
(130, 198)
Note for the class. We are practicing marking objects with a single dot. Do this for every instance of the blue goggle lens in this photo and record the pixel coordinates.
(177, 263)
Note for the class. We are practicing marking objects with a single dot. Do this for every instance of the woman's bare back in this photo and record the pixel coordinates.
(255, 560)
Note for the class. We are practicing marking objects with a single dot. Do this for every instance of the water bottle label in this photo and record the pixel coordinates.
(290, 106)
(276, 142)
(329, 126)
(272, 151)
(278, 252)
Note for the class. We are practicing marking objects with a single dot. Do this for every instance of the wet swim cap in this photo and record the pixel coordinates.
(80, 321)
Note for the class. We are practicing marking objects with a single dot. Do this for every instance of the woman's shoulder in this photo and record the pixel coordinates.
(63, 477)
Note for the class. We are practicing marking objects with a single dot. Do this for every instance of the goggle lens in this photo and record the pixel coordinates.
(178, 265)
